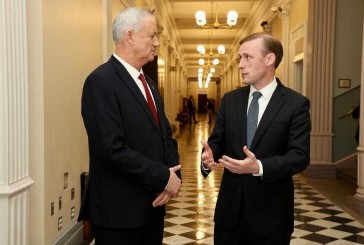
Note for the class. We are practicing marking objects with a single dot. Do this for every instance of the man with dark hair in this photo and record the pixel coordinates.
(191, 108)
(261, 138)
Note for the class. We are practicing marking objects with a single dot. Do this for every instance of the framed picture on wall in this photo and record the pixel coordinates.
(344, 83)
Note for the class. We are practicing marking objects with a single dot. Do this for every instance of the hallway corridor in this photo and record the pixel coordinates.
(189, 217)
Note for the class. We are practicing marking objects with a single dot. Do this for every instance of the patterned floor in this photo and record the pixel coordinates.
(189, 217)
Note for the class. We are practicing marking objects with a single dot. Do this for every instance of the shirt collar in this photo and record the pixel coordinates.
(134, 73)
(267, 91)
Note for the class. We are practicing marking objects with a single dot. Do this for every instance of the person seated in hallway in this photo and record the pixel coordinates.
(210, 109)
(261, 138)
(134, 163)
(191, 108)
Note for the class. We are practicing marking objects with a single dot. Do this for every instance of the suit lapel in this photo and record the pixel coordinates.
(130, 83)
(275, 103)
(157, 101)
(158, 105)
(242, 104)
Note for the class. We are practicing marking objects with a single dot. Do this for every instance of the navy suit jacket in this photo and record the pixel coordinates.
(130, 155)
(281, 143)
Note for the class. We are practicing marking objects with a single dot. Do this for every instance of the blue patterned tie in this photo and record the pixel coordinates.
(253, 117)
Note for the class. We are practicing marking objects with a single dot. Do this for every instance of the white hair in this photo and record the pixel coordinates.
(129, 18)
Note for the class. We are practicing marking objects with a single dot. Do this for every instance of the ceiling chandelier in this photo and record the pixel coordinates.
(232, 18)
(202, 51)
(205, 72)
(204, 75)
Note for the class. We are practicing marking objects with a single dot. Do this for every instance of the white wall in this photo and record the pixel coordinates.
(348, 38)
(65, 45)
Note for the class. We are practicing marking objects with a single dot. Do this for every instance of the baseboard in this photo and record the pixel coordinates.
(355, 205)
(326, 171)
(347, 162)
(72, 236)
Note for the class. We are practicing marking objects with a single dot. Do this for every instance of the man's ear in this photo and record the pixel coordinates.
(129, 34)
(270, 59)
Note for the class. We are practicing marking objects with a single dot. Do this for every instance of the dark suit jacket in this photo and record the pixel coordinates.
(191, 107)
(281, 143)
(130, 155)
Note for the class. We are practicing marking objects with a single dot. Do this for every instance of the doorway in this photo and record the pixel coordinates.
(202, 101)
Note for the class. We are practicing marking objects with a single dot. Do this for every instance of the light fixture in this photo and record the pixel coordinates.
(201, 62)
(202, 51)
(232, 18)
(206, 72)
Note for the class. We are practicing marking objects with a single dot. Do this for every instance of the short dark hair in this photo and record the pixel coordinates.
(271, 45)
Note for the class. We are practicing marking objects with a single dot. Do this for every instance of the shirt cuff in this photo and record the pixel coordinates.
(260, 169)
(204, 168)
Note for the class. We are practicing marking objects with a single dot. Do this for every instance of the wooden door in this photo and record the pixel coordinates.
(202, 101)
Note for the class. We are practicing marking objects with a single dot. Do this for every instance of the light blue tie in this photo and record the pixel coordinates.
(252, 122)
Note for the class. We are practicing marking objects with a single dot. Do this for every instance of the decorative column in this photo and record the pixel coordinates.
(356, 202)
(168, 84)
(224, 82)
(177, 90)
(232, 78)
(320, 64)
(239, 78)
(184, 83)
(218, 93)
(235, 71)
(284, 15)
(179, 87)
(14, 149)
(174, 88)
(107, 31)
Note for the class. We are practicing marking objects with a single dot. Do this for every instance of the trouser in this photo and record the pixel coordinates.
(151, 234)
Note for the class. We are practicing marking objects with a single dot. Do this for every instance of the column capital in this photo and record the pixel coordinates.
(281, 10)
(170, 48)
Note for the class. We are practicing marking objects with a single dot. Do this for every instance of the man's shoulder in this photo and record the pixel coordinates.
(103, 70)
(103, 67)
(238, 92)
(293, 93)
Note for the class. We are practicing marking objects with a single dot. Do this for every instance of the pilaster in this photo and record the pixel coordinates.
(14, 149)
(168, 100)
(284, 15)
(356, 202)
(320, 63)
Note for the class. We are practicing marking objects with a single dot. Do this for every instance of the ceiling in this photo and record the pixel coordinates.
(191, 35)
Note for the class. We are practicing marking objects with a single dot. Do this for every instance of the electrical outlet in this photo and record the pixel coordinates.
(60, 203)
(60, 223)
(72, 212)
(65, 181)
(52, 208)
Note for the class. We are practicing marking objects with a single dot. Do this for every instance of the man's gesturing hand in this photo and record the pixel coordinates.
(207, 157)
(249, 165)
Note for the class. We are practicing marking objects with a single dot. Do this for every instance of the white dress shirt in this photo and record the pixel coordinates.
(134, 73)
(263, 101)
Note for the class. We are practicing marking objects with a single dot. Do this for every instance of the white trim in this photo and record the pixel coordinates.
(16, 187)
